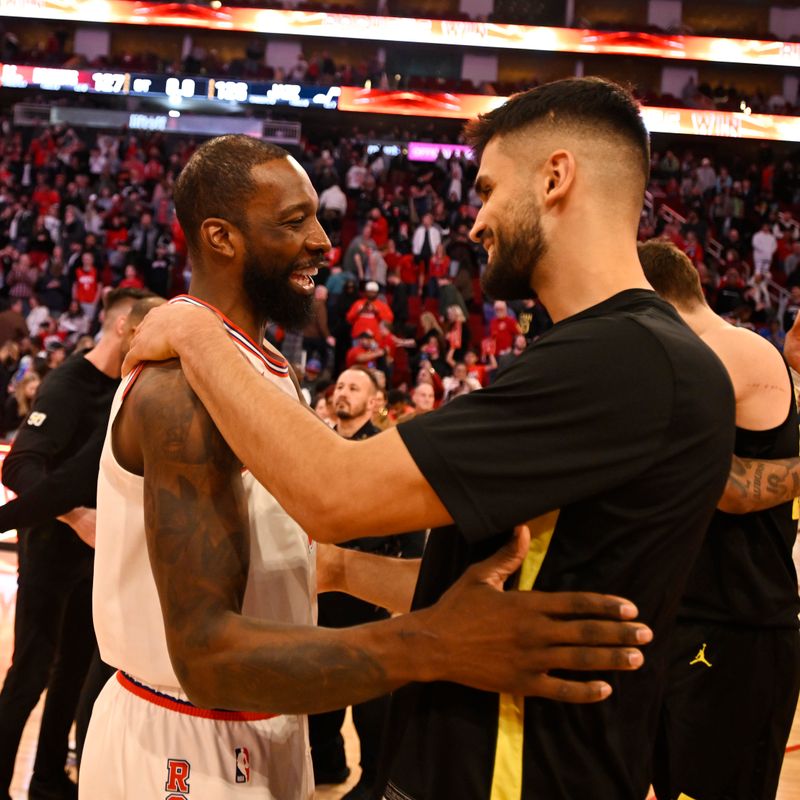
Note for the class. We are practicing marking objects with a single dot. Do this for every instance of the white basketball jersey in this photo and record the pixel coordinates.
(281, 583)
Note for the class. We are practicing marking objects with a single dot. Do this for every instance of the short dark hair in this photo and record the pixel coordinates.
(367, 371)
(217, 182)
(671, 273)
(117, 296)
(596, 104)
(140, 308)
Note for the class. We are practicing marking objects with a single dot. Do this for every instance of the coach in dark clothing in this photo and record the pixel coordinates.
(53, 468)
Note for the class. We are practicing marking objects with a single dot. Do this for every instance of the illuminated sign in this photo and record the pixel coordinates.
(417, 104)
(430, 151)
(174, 122)
(370, 101)
(148, 122)
(391, 149)
(736, 125)
(690, 121)
(412, 30)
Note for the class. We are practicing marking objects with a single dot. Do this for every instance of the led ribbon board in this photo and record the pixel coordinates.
(411, 30)
(371, 101)
(690, 121)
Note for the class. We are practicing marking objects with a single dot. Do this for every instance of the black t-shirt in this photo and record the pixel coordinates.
(56, 455)
(744, 575)
(612, 434)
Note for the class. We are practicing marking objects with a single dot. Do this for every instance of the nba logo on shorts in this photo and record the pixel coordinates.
(242, 765)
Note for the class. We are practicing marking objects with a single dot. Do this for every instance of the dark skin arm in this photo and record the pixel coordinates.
(758, 485)
(198, 542)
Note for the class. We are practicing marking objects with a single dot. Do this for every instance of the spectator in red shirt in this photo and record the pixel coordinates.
(131, 279)
(116, 234)
(366, 352)
(380, 228)
(368, 313)
(503, 328)
(404, 268)
(86, 289)
(44, 195)
(438, 270)
(475, 369)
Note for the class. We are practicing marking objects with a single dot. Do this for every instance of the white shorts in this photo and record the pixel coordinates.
(146, 745)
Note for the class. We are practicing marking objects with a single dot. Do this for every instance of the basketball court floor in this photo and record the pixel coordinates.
(790, 777)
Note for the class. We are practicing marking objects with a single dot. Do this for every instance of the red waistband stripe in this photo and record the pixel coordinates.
(184, 706)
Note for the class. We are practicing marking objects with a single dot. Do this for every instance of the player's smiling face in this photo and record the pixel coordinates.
(285, 243)
(508, 223)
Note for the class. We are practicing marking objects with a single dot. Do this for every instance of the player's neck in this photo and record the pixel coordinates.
(106, 357)
(229, 302)
(583, 269)
(701, 319)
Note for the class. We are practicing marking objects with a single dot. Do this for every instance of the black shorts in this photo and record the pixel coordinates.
(729, 702)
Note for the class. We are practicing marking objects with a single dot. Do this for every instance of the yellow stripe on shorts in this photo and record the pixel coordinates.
(507, 776)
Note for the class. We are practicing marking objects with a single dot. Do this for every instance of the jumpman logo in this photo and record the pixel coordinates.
(700, 658)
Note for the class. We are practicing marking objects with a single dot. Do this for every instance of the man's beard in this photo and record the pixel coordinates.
(272, 296)
(508, 274)
(348, 412)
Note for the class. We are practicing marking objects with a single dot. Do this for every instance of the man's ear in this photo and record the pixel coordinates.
(221, 237)
(558, 176)
(121, 323)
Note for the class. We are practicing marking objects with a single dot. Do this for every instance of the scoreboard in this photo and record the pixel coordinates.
(174, 88)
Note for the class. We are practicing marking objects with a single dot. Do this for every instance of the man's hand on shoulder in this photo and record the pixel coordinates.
(509, 641)
(165, 331)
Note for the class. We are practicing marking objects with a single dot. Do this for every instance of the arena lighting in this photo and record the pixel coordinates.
(410, 30)
(690, 121)
(430, 151)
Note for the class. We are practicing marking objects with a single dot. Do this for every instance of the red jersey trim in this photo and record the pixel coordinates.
(275, 364)
(137, 371)
(183, 706)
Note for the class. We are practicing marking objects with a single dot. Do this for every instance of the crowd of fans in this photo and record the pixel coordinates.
(81, 213)
(736, 221)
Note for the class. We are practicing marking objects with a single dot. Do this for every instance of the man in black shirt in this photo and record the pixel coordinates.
(53, 468)
(611, 436)
(737, 622)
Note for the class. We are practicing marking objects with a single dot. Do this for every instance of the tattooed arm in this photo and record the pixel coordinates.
(757, 485)
(198, 542)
